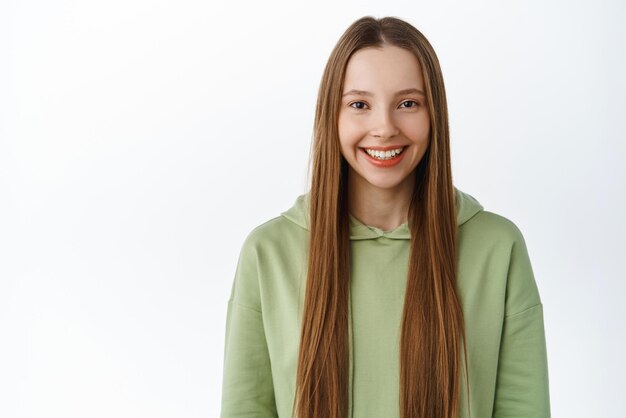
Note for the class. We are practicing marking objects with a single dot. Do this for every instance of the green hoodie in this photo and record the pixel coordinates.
(506, 348)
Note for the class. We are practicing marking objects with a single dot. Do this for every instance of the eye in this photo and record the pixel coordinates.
(411, 101)
(359, 108)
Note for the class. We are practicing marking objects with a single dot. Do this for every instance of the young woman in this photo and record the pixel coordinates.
(384, 291)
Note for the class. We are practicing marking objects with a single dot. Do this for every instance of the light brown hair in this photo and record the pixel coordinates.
(432, 329)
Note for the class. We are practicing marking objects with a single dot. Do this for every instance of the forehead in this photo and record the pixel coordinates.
(382, 69)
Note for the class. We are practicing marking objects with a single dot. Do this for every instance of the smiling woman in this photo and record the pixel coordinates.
(384, 291)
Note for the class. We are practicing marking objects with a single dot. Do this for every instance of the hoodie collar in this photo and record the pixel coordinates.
(466, 207)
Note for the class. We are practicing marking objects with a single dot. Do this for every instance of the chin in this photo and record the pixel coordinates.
(384, 183)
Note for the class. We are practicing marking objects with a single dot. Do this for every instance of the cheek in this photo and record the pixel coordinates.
(419, 131)
(350, 133)
(346, 148)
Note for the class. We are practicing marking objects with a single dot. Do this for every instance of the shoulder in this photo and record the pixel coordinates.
(493, 226)
(274, 239)
(272, 230)
(263, 231)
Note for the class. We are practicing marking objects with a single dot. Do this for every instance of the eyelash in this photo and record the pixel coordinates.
(416, 104)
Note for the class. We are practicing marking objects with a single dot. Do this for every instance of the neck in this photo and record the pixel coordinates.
(384, 208)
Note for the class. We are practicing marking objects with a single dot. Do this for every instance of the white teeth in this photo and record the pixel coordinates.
(384, 155)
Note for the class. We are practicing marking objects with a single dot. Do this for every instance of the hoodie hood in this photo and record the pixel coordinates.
(466, 207)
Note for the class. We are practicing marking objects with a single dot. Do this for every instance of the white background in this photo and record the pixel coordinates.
(141, 141)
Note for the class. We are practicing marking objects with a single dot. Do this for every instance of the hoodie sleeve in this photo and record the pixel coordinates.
(247, 387)
(522, 380)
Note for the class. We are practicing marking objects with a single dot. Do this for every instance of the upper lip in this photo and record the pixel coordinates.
(389, 148)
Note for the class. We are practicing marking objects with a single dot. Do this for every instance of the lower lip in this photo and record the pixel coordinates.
(384, 163)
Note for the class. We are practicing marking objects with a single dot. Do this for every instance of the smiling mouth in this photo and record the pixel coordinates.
(384, 155)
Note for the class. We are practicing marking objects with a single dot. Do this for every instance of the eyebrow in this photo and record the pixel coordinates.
(367, 93)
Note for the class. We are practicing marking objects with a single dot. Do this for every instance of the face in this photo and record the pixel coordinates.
(383, 110)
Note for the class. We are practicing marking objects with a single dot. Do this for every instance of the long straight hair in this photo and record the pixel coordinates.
(432, 329)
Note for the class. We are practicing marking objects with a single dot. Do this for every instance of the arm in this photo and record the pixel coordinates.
(247, 387)
(522, 386)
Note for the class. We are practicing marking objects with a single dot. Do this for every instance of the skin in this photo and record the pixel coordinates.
(379, 196)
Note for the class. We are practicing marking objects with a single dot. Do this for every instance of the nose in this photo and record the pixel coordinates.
(383, 125)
